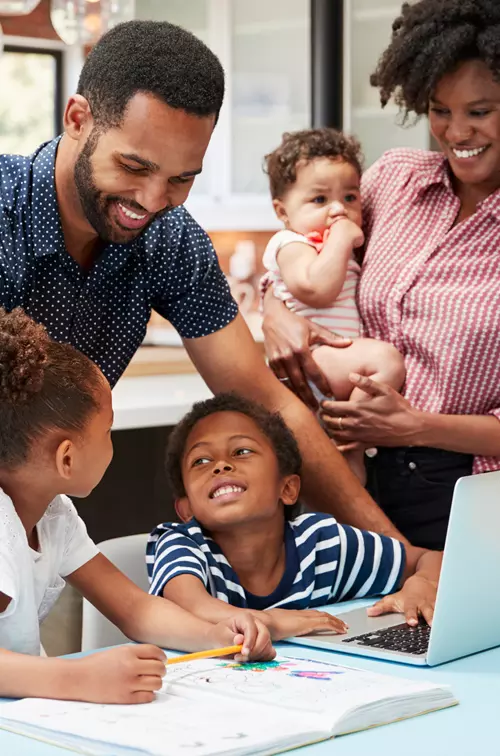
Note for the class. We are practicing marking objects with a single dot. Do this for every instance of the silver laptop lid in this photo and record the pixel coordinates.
(467, 614)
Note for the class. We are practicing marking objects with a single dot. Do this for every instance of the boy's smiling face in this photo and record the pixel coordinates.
(231, 474)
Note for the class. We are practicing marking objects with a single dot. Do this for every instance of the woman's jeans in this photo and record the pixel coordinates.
(414, 487)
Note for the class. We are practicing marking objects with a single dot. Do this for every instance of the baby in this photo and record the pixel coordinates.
(314, 179)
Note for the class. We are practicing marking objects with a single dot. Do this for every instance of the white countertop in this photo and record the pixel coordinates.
(155, 400)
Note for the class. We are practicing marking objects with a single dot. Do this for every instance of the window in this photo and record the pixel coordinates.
(31, 103)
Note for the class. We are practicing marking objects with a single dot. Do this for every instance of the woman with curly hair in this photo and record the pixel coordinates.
(430, 281)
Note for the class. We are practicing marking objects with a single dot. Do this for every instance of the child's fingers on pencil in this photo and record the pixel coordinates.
(152, 667)
(148, 682)
(141, 697)
(148, 651)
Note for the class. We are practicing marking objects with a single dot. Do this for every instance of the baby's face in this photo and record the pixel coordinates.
(325, 188)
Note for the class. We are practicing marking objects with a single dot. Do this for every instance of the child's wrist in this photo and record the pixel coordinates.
(66, 680)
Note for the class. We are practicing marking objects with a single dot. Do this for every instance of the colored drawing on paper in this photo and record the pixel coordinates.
(276, 666)
(313, 675)
(282, 666)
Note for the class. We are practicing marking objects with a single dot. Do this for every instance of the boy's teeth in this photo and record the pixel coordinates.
(131, 214)
(226, 490)
(468, 153)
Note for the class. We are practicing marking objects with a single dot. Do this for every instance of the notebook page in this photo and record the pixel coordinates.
(171, 725)
(326, 690)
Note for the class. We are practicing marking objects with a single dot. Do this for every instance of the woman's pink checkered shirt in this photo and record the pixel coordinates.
(431, 288)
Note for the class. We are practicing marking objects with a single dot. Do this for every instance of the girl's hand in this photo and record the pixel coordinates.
(384, 418)
(284, 623)
(288, 341)
(123, 675)
(245, 630)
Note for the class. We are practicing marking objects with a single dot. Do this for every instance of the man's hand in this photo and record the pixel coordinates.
(285, 623)
(288, 341)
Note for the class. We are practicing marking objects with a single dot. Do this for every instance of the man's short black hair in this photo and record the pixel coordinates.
(153, 57)
(271, 424)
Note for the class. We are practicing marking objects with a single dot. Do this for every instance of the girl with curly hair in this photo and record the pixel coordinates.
(430, 282)
(55, 439)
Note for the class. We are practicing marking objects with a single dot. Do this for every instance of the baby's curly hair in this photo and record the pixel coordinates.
(271, 424)
(309, 144)
(44, 386)
(430, 39)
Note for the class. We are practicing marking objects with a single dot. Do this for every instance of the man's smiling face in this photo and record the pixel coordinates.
(128, 176)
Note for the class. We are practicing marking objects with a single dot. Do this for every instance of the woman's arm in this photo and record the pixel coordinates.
(385, 418)
(150, 619)
(470, 434)
(317, 279)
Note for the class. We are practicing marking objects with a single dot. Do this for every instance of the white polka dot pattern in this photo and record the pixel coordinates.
(171, 268)
(431, 288)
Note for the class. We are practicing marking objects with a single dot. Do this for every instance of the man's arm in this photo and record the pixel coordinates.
(229, 360)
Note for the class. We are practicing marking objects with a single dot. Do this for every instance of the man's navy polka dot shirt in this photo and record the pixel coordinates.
(171, 268)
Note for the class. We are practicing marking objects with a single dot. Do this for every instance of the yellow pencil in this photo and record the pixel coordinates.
(227, 651)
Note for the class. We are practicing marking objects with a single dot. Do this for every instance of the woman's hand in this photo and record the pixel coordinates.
(243, 629)
(285, 623)
(384, 418)
(288, 341)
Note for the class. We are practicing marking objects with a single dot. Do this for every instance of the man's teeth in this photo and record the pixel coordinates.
(227, 490)
(468, 153)
(130, 214)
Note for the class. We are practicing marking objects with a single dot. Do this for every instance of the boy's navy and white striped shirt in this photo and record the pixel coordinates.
(325, 562)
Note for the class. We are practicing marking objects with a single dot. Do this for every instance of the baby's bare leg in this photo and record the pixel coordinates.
(369, 357)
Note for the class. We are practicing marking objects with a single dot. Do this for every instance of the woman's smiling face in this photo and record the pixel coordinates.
(464, 118)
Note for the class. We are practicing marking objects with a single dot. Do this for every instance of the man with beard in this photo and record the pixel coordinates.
(94, 236)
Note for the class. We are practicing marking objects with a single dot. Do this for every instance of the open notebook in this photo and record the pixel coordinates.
(209, 707)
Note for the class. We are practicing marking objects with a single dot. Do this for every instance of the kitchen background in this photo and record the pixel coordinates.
(289, 64)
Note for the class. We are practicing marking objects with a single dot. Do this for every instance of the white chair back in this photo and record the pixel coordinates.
(128, 554)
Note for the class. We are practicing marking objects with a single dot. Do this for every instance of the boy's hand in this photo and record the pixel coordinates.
(284, 623)
(417, 597)
(245, 630)
(123, 675)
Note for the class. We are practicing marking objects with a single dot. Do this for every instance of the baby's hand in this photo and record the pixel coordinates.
(245, 630)
(123, 675)
(284, 623)
(342, 229)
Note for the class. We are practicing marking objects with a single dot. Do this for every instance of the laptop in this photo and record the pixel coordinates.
(467, 611)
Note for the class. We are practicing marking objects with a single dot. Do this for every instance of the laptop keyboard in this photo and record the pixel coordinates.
(408, 640)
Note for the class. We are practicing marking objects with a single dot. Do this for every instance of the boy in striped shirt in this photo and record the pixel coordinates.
(235, 469)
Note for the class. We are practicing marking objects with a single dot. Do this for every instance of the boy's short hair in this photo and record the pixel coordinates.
(309, 144)
(271, 424)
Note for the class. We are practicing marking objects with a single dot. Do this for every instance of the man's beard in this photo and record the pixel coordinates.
(96, 205)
